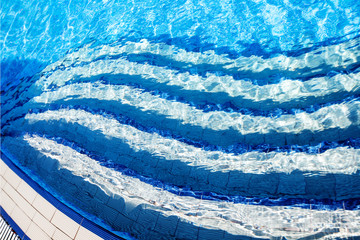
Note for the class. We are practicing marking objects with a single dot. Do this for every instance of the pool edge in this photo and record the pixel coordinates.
(25, 205)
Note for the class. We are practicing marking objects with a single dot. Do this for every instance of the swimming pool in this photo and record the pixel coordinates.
(189, 119)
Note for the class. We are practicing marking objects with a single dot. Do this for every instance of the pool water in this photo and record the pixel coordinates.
(189, 119)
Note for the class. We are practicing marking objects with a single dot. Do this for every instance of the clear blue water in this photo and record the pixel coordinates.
(238, 116)
(38, 33)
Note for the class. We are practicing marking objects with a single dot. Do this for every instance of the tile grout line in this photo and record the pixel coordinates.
(25, 179)
(78, 228)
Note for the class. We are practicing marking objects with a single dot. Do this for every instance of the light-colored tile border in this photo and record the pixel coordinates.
(34, 214)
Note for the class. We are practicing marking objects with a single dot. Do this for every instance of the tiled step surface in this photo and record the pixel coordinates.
(34, 215)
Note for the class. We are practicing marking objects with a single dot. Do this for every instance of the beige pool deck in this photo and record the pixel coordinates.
(34, 215)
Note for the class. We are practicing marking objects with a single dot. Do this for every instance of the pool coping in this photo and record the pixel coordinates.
(60, 206)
